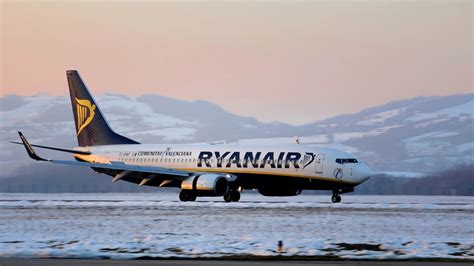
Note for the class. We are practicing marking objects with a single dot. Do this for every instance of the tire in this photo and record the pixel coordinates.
(235, 196)
(336, 198)
(228, 197)
(187, 196)
(183, 196)
(191, 197)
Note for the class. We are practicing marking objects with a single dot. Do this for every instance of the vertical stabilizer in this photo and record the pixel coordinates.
(91, 127)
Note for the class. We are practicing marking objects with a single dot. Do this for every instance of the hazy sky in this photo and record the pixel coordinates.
(290, 61)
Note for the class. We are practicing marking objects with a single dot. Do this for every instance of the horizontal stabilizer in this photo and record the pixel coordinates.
(125, 169)
(54, 148)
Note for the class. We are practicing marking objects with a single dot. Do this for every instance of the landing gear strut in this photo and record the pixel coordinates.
(232, 195)
(186, 196)
(336, 198)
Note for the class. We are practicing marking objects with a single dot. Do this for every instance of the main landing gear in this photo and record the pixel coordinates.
(232, 195)
(336, 198)
(186, 196)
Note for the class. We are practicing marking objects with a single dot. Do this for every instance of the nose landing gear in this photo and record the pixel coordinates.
(336, 198)
(232, 195)
(336, 193)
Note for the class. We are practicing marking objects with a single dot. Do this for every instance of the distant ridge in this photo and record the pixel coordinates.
(423, 134)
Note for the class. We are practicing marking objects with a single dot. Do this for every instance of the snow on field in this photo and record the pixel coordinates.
(431, 122)
(380, 117)
(158, 225)
(466, 109)
(342, 137)
(168, 134)
(286, 140)
(341, 147)
(465, 147)
(404, 174)
(29, 110)
(121, 107)
(316, 140)
(427, 143)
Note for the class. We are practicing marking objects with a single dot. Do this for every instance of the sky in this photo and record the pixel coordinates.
(287, 61)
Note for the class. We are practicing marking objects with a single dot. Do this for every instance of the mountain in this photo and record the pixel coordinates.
(424, 134)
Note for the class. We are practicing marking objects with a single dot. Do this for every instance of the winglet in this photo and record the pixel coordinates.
(29, 149)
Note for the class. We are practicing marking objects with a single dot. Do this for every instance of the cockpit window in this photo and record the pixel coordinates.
(343, 161)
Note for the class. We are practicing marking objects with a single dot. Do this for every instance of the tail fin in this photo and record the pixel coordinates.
(91, 127)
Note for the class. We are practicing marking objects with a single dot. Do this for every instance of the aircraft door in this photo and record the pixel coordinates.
(319, 161)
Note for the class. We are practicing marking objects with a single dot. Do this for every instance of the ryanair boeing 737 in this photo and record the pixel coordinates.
(202, 169)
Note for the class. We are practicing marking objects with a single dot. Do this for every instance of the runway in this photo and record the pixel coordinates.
(157, 225)
(88, 262)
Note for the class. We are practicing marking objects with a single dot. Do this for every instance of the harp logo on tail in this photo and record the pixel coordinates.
(85, 112)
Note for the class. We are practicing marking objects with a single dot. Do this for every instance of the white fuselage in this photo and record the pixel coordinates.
(297, 160)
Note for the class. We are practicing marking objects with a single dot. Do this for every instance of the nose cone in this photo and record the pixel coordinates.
(363, 172)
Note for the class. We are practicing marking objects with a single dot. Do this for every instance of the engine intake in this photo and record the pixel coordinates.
(206, 185)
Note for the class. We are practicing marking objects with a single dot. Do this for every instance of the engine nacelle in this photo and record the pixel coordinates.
(206, 185)
(279, 191)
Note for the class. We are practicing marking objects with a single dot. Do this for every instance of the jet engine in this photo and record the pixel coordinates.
(279, 191)
(206, 185)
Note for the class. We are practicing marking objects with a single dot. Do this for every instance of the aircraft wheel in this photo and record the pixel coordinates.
(235, 195)
(232, 195)
(336, 198)
(228, 196)
(191, 197)
(186, 196)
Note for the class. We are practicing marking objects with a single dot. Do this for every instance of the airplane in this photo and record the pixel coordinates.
(202, 170)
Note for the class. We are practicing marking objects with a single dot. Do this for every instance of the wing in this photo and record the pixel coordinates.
(151, 175)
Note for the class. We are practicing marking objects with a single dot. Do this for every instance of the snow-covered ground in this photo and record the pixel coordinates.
(158, 225)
